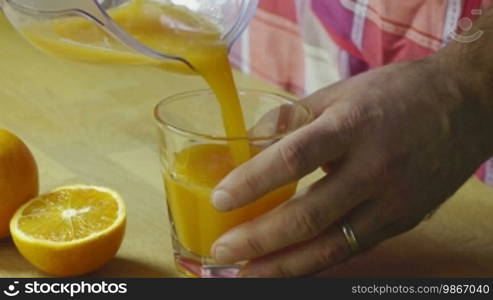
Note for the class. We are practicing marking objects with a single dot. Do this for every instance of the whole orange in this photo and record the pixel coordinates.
(18, 178)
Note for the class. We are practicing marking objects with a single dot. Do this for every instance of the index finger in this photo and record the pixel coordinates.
(288, 160)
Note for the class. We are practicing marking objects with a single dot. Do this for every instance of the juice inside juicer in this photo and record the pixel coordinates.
(229, 16)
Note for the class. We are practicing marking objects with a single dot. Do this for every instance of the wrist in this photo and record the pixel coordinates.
(466, 79)
(470, 65)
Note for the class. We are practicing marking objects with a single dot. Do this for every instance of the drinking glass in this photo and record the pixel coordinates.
(195, 156)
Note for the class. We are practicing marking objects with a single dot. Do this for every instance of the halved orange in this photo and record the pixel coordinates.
(70, 231)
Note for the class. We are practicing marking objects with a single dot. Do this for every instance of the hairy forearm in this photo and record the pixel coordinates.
(471, 61)
(468, 67)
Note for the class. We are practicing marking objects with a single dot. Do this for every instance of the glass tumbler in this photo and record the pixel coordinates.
(195, 156)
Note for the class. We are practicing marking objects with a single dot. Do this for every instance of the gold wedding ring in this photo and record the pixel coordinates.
(350, 237)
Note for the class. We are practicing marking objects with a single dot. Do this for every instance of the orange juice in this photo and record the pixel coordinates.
(196, 172)
(165, 28)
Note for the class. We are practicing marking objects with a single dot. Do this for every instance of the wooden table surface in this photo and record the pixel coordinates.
(93, 124)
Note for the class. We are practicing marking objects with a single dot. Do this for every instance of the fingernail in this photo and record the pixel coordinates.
(222, 200)
(223, 255)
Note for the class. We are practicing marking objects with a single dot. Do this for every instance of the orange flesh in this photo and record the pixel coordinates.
(69, 215)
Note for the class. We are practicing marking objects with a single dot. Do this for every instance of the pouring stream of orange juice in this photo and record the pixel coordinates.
(176, 31)
(166, 29)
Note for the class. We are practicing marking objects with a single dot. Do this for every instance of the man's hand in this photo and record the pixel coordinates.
(397, 142)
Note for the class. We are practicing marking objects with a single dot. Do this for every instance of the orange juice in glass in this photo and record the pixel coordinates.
(196, 155)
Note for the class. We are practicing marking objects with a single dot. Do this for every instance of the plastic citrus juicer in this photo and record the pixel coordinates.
(230, 16)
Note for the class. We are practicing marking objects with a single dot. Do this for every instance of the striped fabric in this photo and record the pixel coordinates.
(304, 45)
